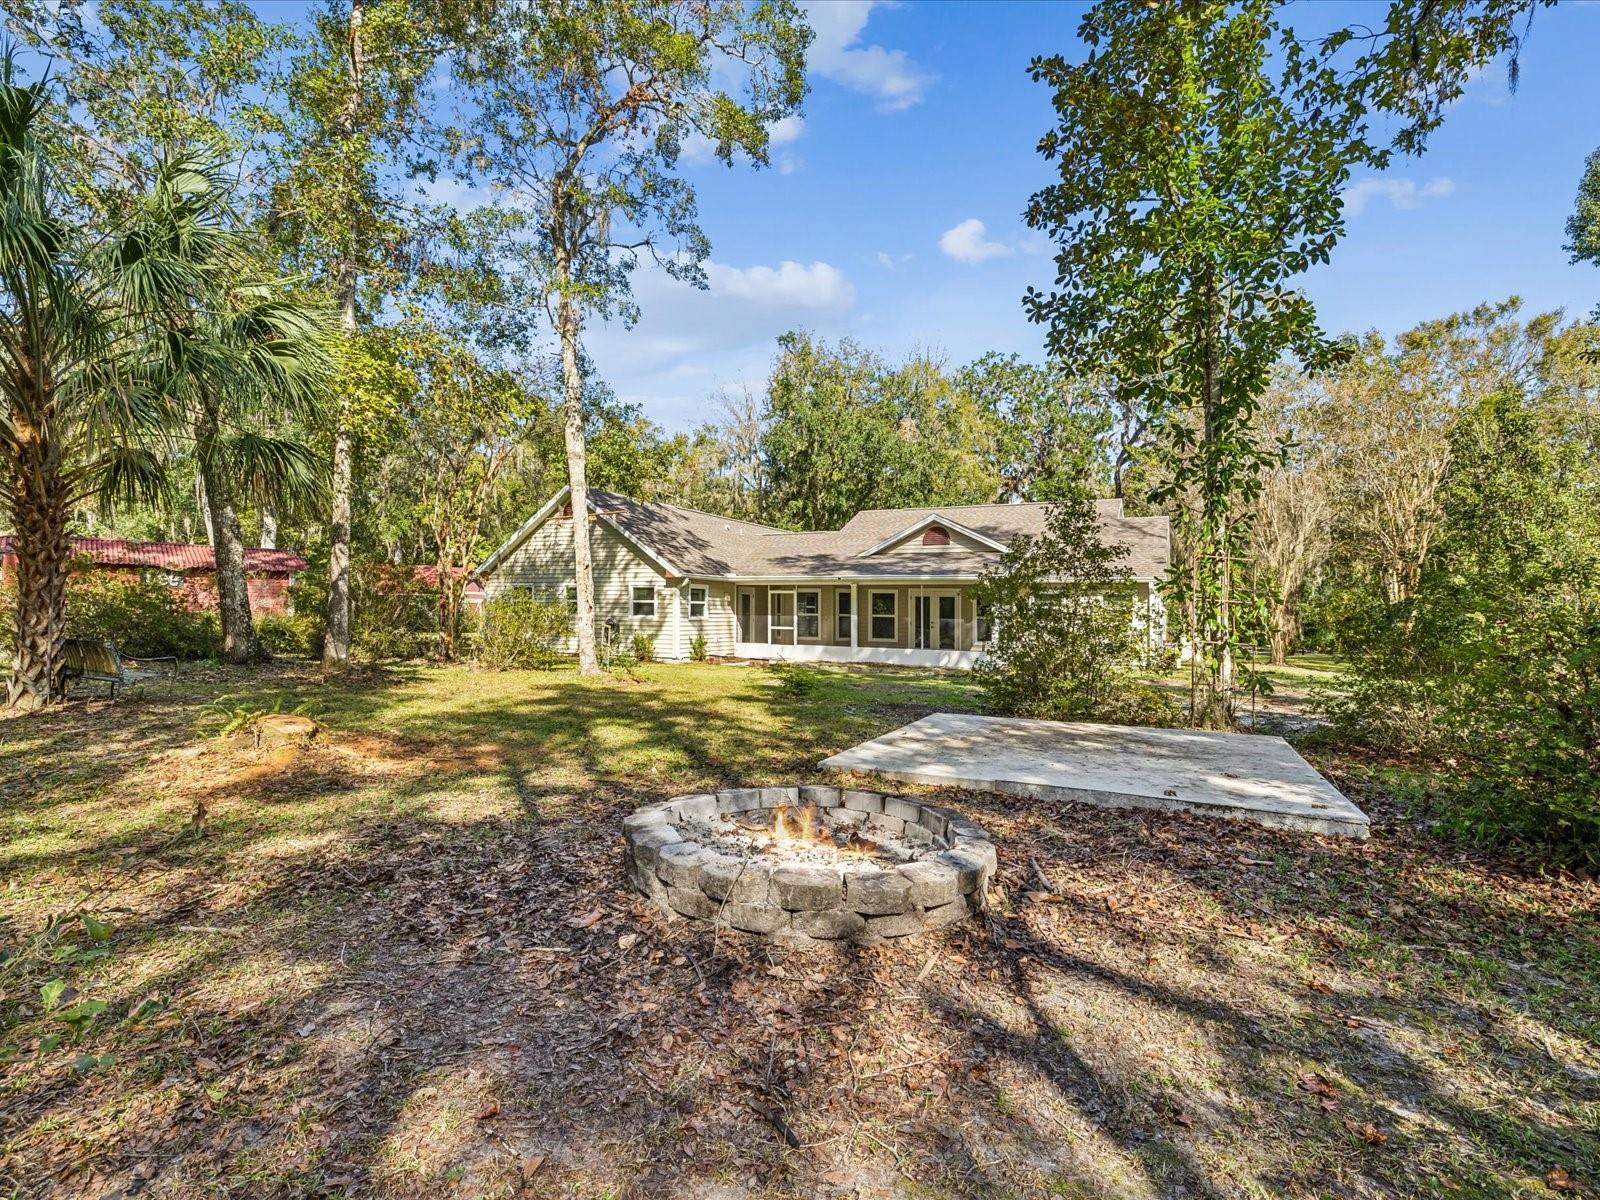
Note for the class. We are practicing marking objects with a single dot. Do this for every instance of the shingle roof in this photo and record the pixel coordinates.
(172, 556)
(697, 543)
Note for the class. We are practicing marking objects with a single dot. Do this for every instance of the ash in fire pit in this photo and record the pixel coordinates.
(807, 864)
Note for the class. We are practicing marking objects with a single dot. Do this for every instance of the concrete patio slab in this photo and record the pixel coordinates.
(1242, 776)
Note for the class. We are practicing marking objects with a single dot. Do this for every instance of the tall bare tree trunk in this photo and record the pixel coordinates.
(239, 641)
(578, 480)
(43, 547)
(336, 633)
(269, 527)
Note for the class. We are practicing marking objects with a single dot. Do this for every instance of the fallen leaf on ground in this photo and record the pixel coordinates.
(1558, 1180)
(490, 1109)
(586, 920)
(1311, 1082)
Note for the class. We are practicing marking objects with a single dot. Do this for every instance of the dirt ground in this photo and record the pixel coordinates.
(401, 960)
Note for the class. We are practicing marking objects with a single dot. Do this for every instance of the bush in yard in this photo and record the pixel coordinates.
(1493, 665)
(643, 647)
(795, 680)
(521, 630)
(698, 647)
(139, 616)
(297, 636)
(1064, 644)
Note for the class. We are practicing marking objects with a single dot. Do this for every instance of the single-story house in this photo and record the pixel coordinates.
(893, 586)
(188, 568)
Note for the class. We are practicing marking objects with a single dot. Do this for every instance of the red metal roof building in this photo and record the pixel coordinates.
(185, 565)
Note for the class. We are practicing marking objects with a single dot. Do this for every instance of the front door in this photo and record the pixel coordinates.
(935, 623)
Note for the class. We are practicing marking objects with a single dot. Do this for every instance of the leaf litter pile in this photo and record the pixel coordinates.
(423, 999)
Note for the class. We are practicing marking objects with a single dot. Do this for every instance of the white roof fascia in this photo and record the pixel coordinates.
(522, 533)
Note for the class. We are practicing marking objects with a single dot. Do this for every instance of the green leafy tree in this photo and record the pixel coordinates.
(1042, 433)
(355, 96)
(1065, 644)
(1201, 156)
(1495, 658)
(579, 110)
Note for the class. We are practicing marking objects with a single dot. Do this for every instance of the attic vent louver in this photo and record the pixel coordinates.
(935, 535)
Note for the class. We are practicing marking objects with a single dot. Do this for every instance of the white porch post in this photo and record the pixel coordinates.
(855, 616)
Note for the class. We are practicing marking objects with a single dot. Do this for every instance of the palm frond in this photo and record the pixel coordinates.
(127, 474)
(271, 468)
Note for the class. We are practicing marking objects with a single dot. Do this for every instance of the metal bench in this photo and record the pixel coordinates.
(101, 662)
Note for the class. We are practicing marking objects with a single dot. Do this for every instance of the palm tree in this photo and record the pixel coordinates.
(89, 399)
(239, 361)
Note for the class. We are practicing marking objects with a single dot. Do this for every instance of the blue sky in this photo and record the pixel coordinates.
(892, 212)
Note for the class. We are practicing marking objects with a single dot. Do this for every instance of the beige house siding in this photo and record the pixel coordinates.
(543, 564)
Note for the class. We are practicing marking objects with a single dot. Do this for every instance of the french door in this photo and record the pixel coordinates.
(935, 621)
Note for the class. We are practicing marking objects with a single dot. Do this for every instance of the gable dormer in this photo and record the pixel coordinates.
(938, 533)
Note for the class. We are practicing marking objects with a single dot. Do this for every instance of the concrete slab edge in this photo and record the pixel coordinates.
(1328, 826)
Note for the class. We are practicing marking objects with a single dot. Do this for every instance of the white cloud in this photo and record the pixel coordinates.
(690, 340)
(790, 284)
(786, 131)
(1401, 193)
(969, 242)
(890, 76)
(891, 262)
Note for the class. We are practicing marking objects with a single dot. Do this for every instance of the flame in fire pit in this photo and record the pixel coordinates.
(805, 826)
(799, 826)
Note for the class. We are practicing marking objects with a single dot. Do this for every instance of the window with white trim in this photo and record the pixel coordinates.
(644, 601)
(570, 594)
(808, 609)
(881, 607)
(841, 621)
(697, 603)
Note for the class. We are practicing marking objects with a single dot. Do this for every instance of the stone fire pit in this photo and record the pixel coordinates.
(801, 865)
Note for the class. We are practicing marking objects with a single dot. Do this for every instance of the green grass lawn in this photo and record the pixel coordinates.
(401, 961)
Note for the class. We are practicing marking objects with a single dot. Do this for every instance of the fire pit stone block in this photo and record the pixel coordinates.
(647, 843)
(932, 882)
(679, 864)
(896, 925)
(756, 918)
(946, 914)
(652, 814)
(932, 865)
(803, 888)
(863, 802)
(830, 925)
(701, 808)
(884, 821)
(739, 800)
(908, 812)
(876, 893)
(723, 877)
(691, 902)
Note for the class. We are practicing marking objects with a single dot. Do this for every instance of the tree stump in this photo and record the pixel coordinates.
(284, 729)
